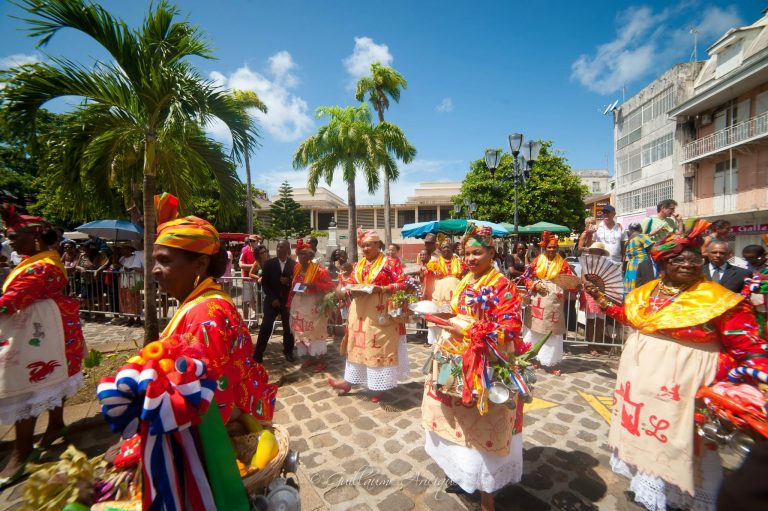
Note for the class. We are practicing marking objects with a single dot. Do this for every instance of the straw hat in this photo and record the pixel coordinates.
(598, 248)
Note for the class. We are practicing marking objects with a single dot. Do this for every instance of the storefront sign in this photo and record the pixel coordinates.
(750, 229)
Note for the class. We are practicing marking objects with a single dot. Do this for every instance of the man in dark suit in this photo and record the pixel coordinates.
(646, 272)
(721, 271)
(276, 277)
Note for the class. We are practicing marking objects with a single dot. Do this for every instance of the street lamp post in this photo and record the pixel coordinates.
(520, 173)
(471, 208)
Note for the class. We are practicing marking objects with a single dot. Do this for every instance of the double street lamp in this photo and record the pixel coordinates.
(470, 206)
(519, 173)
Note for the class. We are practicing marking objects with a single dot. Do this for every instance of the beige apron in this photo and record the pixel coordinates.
(442, 294)
(307, 323)
(544, 314)
(372, 337)
(652, 426)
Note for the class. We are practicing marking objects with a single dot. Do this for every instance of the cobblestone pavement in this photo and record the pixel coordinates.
(358, 455)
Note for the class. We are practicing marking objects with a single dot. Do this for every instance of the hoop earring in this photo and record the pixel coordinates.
(37, 245)
(197, 281)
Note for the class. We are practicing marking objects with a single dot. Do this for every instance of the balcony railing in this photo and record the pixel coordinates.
(727, 138)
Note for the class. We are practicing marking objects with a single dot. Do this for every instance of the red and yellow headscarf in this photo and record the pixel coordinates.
(548, 239)
(675, 243)
(302, 245)
(478, 236)
(367, 235)
(16, 223)
(189, 233)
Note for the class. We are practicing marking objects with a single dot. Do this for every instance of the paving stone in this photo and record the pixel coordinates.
(360, 507)
(343, 451)
(565, 417)
(397, 501)
(586, 436)
(413, 436)
(315, 424)
(341, 494)
(293, 400)
(364, 423)
(588, 487)
(536, 480)
(403, 423)
(567, 500)
(392, 446)
(333, 418)
(399, 467)
(418, 454)
(363, 439)
(323, 440)
(589, 423)
(555, 429)
(301, 412)
(572, 407)
(542, 438)
(438, 500)
(580, 383)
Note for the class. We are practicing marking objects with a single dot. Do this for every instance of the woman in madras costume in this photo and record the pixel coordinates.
(688, 332)
(309, 325)
(546, 302)
(448, 270)
(41, 344)
(478, 447)
(374, 344)
(203, 357)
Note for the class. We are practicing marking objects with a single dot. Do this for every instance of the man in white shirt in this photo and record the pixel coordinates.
(611, 234)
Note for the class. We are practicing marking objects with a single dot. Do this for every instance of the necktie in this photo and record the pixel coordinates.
(716, 274)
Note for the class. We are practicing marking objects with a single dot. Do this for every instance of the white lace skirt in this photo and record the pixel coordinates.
(476, 470)
(315, 348)
(433, 334)
(380, 378)
(34, 404)
(551, 353)
(655, 494)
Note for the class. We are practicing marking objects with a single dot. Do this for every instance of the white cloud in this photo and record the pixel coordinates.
(446, 105)
(19, 59)
(366, 52)
(647, 42)
(411, 175)
(286, 119)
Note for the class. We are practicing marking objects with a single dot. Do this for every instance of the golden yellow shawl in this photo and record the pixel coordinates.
(44, 257)
(376, 267)
(696, 305)
(444, 267)
(546, 269)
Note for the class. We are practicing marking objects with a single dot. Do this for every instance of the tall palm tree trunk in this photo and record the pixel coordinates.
(151, 330)
(248, 199)
(352, 227)
(387, 206)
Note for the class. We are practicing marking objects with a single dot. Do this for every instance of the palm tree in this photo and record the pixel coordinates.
(148, 95)
(384, 83)
(249, 99)
(351, 143)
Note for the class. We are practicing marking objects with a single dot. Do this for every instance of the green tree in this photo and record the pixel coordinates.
(147, 102)
(383, 84)
(552, 194)
(287, 218)
(249, 100)
(350, 142)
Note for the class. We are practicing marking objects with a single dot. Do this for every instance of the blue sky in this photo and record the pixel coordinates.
(476, 71)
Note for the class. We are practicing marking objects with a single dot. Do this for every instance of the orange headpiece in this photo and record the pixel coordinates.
(548, 239)
(675, 243)
(189, 233)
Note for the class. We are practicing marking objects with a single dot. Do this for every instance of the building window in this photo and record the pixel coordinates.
(323, 220)
(644, 197)
(405, 216)
(726, 178)
(629, 128)
(657, 149)
(628, 167)
(688, 189)
(595, 186)
(427, 214)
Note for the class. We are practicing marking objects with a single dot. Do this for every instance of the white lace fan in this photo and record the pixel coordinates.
(605, 274)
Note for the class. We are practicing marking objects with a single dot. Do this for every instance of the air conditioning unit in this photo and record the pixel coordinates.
(689, 169)
(705, 120)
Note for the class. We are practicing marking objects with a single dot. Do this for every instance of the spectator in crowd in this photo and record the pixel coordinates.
(69, 256)
(262, 255)
(5, 247)
(611, 234)
(640, 267)
(319, 258)
(666, 217)
(430, 243)
(247, 259)
(276, 282)
(586, 237)
(755, 257)
(393, 251)
(111, 280)
(90, 266)
(720, 231)
(721, 271)
(131, 283)
(517, 260)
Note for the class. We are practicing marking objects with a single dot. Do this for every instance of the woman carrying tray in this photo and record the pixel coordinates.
(478, 447)
(374, 344)
(547, 302)
(688, 332)
(203, 357)
(448, 270)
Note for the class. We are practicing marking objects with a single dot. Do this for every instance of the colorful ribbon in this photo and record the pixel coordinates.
(484, 299)
(163, 408)
(737, 374)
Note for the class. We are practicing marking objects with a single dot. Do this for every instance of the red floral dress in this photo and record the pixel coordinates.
(41, 281)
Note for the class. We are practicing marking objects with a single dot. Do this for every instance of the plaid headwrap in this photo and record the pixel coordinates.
(368, 235)
(548, 239)
(16, 223)
(189, 233)
(303, 245)
(477, 236)
(675, 243)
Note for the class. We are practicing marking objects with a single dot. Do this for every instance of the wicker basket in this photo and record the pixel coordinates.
(245, 446)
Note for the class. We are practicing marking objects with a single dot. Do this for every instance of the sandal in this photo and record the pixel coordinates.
(319, 367)
(62, 433)
(555, 372)
(375, 398)
(342, 387)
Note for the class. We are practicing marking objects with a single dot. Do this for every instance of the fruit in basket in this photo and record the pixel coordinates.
(136, 360)
(266, 451)
(153, 351)
(250, 423)
(166, 364)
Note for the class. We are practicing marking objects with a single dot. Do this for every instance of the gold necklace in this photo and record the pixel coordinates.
(671, 290)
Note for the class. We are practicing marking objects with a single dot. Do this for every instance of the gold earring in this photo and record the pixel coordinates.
(37, 245)
(197, 281)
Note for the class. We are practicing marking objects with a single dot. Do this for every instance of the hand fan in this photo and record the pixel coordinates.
(605, 274)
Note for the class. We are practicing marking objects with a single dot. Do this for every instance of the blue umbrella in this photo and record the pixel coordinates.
(419, 229)
(117, 230)
(453, 226)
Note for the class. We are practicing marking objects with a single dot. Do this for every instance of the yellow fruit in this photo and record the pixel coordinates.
(136, 360)
(250, 423)
(166, 364)
(153, 351)
(265, 451)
